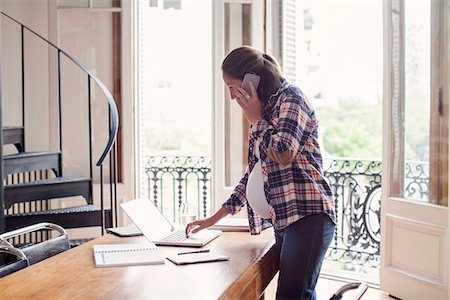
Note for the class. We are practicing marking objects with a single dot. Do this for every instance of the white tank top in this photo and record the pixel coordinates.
(255, 189)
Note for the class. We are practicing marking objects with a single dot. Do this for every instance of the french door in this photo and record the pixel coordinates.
(414, 246)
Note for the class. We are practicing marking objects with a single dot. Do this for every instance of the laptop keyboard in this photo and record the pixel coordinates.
(175, 236)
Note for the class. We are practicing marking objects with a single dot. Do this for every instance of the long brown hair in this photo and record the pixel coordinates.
(246, 59)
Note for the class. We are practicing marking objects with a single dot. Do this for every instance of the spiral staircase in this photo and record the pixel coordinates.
(33, 180)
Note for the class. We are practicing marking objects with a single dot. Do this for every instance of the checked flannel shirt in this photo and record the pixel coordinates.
(297, 189)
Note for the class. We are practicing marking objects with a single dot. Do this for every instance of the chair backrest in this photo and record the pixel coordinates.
(40, 251)
(17, 265)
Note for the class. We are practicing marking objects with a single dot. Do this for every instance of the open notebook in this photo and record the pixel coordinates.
(159, 230)
(113, 255)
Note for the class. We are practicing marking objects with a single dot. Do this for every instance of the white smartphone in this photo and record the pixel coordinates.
(250, 77)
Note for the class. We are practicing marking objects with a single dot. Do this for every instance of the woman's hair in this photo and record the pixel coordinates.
(246, 59)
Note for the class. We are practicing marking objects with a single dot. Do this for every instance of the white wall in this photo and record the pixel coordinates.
(33, 14)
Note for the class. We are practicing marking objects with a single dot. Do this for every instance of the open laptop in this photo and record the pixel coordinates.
(159, 230)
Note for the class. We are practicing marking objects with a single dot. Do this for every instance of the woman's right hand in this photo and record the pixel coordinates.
(198, 225)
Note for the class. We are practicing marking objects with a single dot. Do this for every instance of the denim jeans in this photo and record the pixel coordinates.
(302, 246)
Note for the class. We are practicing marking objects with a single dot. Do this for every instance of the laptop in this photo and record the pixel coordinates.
(159, 230)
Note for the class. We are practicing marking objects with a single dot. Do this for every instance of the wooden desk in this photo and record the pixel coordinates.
(72, 274)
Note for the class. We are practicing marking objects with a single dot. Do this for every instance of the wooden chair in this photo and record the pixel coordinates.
(42, 250)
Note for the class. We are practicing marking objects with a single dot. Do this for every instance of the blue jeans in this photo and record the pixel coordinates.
(302, 247)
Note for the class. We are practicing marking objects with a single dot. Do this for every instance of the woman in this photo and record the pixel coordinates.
(283, 139)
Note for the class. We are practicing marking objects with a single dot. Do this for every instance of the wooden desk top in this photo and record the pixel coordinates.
(73, 275)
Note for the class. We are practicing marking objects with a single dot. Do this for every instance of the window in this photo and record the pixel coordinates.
(175, 79)
(333, 52)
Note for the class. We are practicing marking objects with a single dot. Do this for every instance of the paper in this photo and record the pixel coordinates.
(113, 255)
(195, 258)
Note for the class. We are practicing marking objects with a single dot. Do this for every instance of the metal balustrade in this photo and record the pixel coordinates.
(172, 180)
(356, 186)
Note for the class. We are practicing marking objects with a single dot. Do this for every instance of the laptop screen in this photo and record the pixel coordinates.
(147, 217)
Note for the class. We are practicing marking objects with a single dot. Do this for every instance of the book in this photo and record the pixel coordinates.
(113, 255)
(195, 258)
(232, 225)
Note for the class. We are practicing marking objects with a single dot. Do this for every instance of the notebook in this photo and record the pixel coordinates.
(114, 255)
(159, 230)
(196, 258)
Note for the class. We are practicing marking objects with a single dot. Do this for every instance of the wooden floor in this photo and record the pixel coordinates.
(327, 287)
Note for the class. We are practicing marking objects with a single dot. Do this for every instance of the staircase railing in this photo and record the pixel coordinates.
(110, 148)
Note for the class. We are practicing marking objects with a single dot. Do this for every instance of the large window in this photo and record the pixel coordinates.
(175, 81)
(333, 52)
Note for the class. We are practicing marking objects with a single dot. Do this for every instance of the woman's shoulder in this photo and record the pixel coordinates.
(293, 93)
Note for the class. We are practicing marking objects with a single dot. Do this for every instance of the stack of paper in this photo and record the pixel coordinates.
(232, 224)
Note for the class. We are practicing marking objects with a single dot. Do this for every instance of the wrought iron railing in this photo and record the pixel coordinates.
(417, 180)
(172, 180)
(356, 186)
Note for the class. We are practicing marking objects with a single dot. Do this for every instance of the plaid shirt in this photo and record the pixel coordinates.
(298, 189)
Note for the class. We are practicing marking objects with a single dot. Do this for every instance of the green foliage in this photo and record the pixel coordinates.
(352, 128)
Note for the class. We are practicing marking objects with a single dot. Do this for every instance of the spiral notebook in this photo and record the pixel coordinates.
(113, 255)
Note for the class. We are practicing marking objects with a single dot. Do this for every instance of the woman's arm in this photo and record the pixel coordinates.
(286, 135)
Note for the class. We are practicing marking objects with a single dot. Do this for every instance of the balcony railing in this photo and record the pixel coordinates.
(172, 180)
(356, 185)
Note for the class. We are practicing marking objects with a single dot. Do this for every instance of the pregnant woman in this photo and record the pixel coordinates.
(283, 186)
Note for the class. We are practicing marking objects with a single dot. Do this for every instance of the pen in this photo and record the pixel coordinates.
(192, 252)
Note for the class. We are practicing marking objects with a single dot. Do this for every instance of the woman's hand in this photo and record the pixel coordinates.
(198, 225)
(251, 105)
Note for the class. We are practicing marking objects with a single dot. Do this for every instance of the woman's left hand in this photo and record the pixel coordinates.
(251, 105)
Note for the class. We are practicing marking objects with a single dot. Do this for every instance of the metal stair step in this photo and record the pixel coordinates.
(69, 217)
(31, 161)
(14, 135)
(44, 189)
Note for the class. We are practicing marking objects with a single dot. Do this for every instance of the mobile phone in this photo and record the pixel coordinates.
(250, 77)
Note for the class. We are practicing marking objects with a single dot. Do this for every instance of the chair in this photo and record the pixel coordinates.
(42, 250)
(361, 288)
(14, 266)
